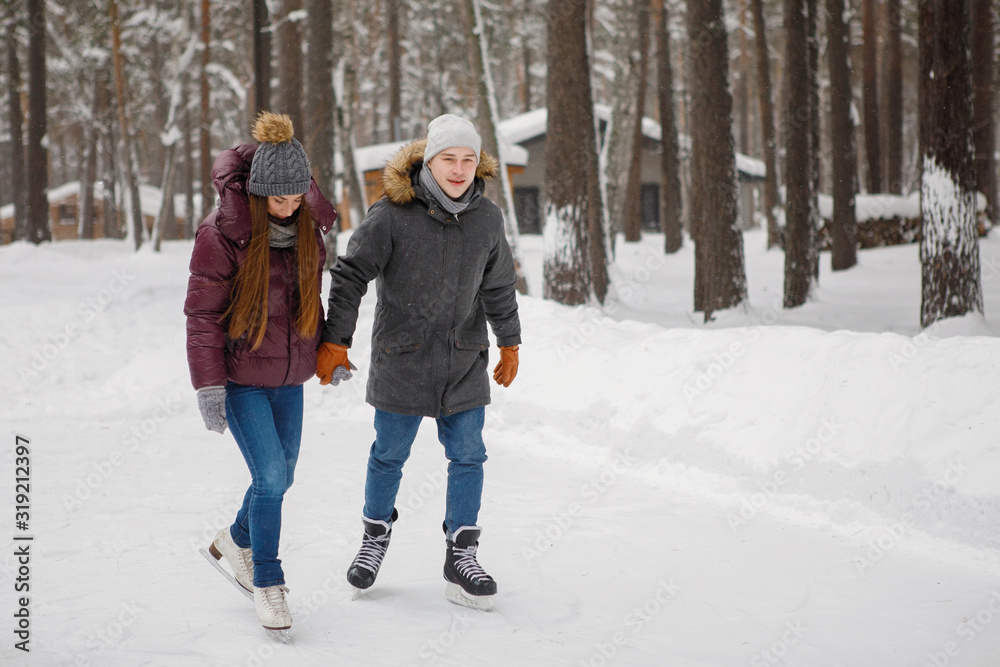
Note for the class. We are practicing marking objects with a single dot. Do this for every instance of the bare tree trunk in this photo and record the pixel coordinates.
(157, 152)
(720, 276)
(37, 167)
(137, 228)
(812, 20)
(526, 65)
(15, 117)
(205, 123)
(670, 182)
(984, 26)
(742, 86)
(799, 276)
(261, 58)
(572, 200)
(766, 124)
(345, 114)
(870, 94)
(320, 101)
(93, 132)
(290, 74)
(632, 217)
(393, 10)
(893, 107)
(109, 152)
(843, 226)
(949, 246)
(187, 130)
(321, 104)
(166, 219)
(488, 121)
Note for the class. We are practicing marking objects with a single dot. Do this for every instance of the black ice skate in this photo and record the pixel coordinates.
(468, 584)
(374, 542)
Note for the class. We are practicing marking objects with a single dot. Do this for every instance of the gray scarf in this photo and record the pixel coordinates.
(282, 236)
(432, 188)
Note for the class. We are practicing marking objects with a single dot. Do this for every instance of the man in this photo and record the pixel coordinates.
(436, 248)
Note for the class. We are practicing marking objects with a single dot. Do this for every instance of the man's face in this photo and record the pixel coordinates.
(454, 170)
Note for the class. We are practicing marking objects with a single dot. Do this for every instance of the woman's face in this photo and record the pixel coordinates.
(283, 206)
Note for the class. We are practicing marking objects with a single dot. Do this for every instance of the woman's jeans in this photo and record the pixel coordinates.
(462, 437)
(267, 425)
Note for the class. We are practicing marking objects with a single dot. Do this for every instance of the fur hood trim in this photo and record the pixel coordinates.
(396, 181)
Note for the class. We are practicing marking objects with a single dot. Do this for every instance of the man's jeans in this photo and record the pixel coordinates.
(267, 425)
(462, 437)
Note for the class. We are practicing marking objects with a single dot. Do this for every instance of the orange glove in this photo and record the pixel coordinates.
(331, 357)
(506, 370)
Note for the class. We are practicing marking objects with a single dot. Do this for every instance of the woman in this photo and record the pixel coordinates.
(253, 324)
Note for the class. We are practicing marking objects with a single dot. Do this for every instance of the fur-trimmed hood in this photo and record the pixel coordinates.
(397, 177)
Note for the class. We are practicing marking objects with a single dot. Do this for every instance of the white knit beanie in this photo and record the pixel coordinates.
(449, 131)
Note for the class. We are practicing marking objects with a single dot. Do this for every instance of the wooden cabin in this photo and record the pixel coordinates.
(529, 129)
(64, 213)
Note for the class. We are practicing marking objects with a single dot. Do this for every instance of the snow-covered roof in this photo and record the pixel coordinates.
(531, 124)
(150, 198)
(375, 156)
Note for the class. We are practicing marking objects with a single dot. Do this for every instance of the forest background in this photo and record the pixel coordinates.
(833, 95)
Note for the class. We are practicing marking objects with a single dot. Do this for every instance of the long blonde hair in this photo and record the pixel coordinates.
(247, 310)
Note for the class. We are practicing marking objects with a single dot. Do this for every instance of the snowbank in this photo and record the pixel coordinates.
(817, 484)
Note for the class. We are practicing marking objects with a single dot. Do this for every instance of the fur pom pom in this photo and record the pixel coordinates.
(272, 128)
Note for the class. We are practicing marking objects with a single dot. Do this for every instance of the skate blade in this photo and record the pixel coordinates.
(278, 635)
(225, 573)
(356, 592)
(455, 594)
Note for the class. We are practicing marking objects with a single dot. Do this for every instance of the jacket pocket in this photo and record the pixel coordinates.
(400, 343)
(472, 341)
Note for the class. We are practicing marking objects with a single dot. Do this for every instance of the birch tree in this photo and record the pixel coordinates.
(489, 120)
(133, 206)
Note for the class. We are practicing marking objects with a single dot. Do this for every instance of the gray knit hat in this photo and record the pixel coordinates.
(449, 131)
(280, 165)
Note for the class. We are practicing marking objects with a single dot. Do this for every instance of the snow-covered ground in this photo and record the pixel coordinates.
(809, 487)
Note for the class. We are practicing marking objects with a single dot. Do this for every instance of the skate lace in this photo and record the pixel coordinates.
(467, 565)
(372, 552)
(245, 560)
(274, 600)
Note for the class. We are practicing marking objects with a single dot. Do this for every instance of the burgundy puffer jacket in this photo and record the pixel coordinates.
(220, 246)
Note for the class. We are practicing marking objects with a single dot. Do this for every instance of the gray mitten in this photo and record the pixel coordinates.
(341, 373)
(212, 403)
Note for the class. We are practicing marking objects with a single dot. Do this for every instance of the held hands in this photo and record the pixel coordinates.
(506, 370)
(212, 403)
(332, 364)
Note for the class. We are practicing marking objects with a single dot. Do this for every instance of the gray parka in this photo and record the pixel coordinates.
(439, 279)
